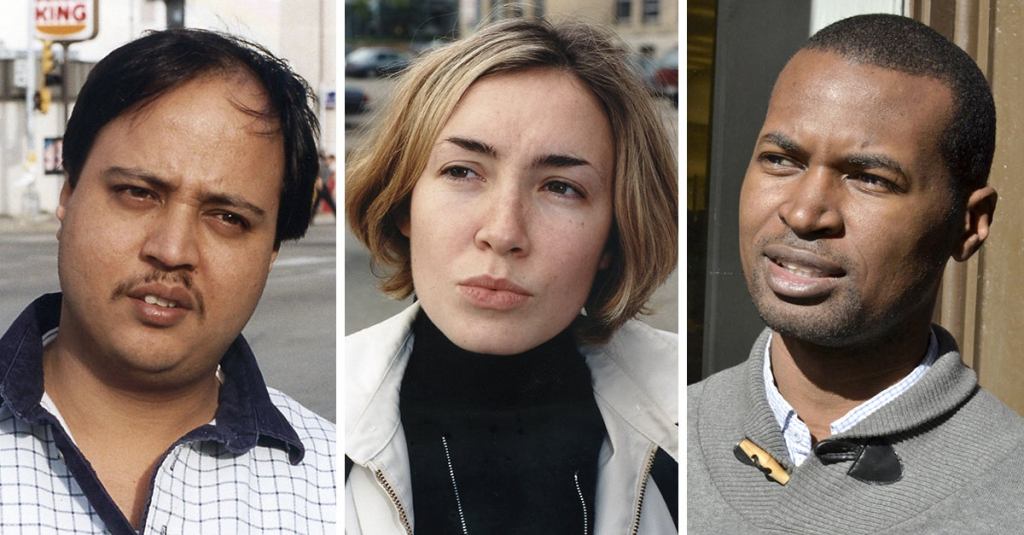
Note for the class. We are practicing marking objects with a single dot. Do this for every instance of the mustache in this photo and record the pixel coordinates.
(820, 247)
(162, 277)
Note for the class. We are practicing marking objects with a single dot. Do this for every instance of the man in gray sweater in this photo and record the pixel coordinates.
(853, 413)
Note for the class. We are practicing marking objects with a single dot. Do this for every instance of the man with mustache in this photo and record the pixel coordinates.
(130, 402)
(854, 414)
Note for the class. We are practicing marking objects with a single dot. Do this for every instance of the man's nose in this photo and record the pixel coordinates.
(171, 240)
(812, 207)
(503, 224)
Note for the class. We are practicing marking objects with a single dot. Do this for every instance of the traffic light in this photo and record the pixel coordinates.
(42, 99)
(47, 66)
(46, 63)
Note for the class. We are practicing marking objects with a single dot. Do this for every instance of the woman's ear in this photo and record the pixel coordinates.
(403, 225)
(981, 205)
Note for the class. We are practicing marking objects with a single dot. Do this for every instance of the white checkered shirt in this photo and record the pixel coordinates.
(794, 430)
(265, 466)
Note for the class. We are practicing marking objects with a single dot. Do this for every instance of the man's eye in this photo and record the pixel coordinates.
(233, 219)
(777, 160)
(136, 192)
(874, 182)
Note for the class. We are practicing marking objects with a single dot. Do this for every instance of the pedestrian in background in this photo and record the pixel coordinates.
(324, 181)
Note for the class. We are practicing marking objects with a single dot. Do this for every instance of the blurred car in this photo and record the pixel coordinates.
(665, 78)
(419, 48)
(356, 100)
(643, 64)
(374, 61)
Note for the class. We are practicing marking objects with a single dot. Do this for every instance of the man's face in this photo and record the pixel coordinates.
(509, 221)
(845, 210)
(167, 239)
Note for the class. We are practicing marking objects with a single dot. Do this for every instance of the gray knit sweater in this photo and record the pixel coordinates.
(961, 452)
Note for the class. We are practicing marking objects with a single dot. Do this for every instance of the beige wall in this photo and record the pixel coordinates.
(307, 38)
(1000, 295)
(981, 299)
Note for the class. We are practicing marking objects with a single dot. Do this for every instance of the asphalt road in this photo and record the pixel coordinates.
(365, 305)
(292, 331)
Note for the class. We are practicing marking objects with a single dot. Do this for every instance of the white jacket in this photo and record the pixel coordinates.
(635, 386)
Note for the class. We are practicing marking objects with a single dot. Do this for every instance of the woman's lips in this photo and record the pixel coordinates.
(493, 293)
(800, 274)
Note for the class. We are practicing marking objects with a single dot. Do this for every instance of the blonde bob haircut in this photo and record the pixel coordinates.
(642, 242)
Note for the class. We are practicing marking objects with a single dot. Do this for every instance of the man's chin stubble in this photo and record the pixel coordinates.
(835, 321)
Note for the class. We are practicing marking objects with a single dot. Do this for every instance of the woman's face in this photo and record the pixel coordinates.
(509, 221)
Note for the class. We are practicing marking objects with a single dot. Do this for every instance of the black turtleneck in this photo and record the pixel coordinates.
(521, 430)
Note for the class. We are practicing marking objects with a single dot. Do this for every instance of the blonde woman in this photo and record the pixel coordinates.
(522, 187)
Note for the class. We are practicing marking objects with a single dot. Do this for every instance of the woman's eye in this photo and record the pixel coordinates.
(562, 188)
(459, 172)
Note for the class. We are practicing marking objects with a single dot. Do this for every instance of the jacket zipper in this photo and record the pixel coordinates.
(648, 465)
(394, 500)
(583, 503)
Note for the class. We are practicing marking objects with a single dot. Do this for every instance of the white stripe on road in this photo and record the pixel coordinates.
(303, 261)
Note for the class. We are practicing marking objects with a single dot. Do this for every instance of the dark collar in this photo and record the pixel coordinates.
(245, 414)
(442, 374)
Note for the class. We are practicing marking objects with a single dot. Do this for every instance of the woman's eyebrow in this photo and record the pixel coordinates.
(559, 160)
(473, 145)
(547, 160)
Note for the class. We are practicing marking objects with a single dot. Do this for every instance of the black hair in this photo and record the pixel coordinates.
(905, 45)
(139, 72)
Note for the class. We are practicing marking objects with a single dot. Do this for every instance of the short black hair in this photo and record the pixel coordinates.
(139, 72)
(905, 45)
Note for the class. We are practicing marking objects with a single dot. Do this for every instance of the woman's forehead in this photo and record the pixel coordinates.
(545, 109)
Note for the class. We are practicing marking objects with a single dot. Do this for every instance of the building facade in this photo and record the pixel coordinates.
(301, 31)
(641, 23)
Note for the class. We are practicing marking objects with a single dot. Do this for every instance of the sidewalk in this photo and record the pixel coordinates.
(43, 223)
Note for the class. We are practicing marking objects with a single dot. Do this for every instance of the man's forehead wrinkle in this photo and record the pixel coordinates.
(202, 191)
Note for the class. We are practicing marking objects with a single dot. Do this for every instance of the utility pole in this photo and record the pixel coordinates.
(29, 151)
(64, 85)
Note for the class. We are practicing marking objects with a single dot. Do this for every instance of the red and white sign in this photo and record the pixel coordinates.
(66, 20)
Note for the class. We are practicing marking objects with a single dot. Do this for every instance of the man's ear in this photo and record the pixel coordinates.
(981, 206)
(62, 202)
(273, 258)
